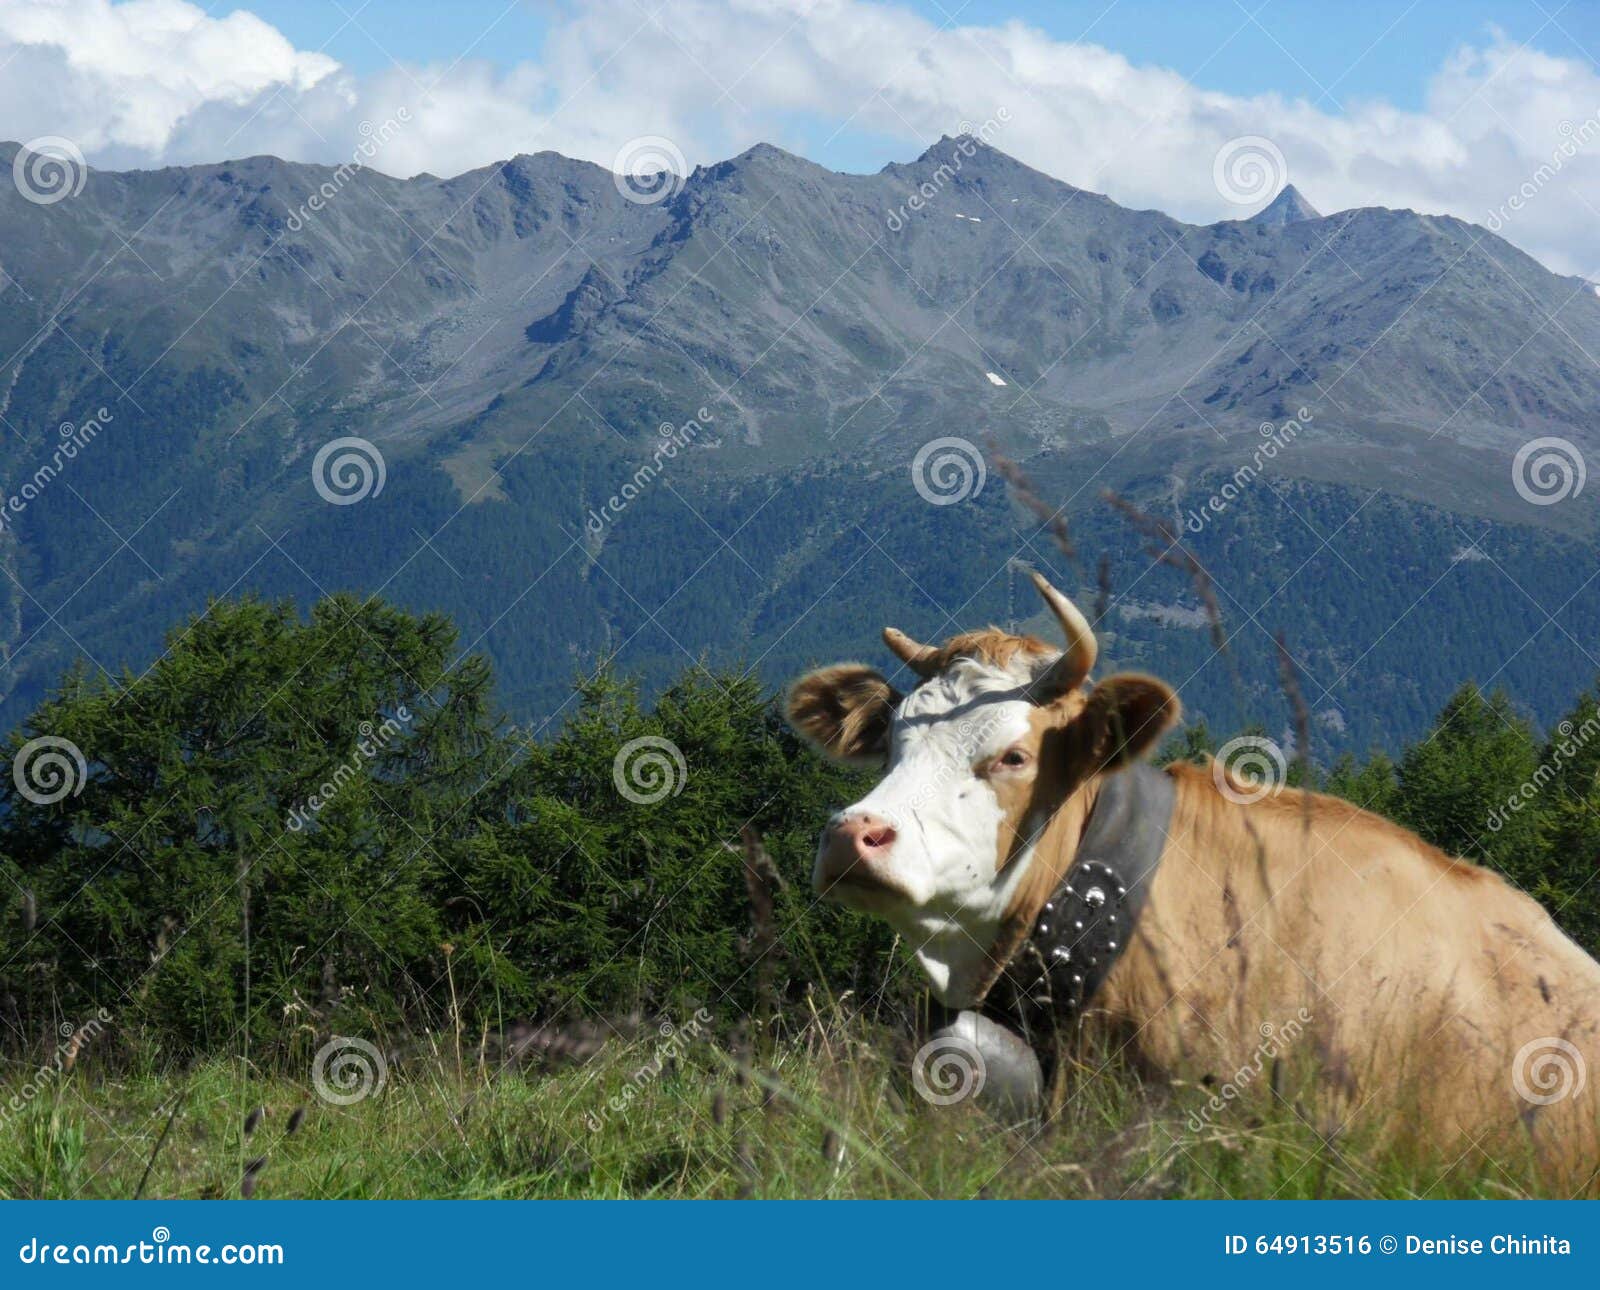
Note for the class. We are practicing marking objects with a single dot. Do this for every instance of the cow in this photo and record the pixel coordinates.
(1430, 996)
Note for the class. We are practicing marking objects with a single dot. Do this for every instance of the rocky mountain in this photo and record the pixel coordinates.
(511, 341)
(1288, 207)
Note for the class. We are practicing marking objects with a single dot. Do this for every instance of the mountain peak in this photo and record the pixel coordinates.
(768, 152)
(965, 147)
(975, 159)
(774, 163)
(1288, 207)
(941, 148)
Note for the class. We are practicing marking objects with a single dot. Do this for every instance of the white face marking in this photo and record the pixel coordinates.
(947, 819)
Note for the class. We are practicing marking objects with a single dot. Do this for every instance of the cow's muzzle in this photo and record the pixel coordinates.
(854, 856)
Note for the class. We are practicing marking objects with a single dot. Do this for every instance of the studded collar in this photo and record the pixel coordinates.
(1084, 927)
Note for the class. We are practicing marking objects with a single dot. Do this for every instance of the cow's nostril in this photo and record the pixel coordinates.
(856, 851)
(862, 835)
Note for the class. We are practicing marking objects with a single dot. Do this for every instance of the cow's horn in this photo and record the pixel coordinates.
(921, 659)
(1068, 671)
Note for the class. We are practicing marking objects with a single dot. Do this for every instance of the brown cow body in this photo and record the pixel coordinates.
(1421, 978)
(1428, 996)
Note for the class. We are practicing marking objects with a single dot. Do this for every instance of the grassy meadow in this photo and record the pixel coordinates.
(237, 913)
(828, 1111)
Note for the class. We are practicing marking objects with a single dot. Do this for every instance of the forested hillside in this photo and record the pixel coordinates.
(295, 826)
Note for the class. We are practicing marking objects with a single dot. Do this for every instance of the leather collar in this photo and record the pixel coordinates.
(1085, 926)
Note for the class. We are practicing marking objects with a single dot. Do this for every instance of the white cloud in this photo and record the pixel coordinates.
(151, 81)
(126, 75)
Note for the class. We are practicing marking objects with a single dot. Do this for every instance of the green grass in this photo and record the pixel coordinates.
(827, 1112)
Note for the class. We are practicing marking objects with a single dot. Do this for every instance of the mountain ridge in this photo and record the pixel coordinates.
(512, 338)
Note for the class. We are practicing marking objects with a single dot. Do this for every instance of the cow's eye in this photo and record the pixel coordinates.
(1013, 758)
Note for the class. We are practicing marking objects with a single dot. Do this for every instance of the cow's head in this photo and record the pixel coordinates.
(998, 739)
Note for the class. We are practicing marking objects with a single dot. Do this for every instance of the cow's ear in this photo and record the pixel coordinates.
(845, 710)
(1125, 718)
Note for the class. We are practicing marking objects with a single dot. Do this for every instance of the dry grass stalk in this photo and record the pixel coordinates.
(1166, 548)
(449, 952)
(1102, 590)
(576, 1042)
(761, 882)
(1022, 489)
(144, 1178)
(1289, 678)
(247, 1183)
